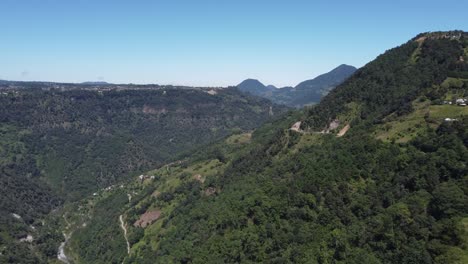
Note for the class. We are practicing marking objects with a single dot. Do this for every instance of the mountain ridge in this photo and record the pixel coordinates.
(333, 77)
(305, 93)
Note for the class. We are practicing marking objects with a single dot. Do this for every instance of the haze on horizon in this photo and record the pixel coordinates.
(207, 42)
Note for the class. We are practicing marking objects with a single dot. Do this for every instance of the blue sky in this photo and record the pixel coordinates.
(206, 42)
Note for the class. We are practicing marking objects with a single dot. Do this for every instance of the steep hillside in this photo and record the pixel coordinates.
(324, 186)
(313, 90)
(395, 79)
(58, 146)
(306, 93)
(333, 78)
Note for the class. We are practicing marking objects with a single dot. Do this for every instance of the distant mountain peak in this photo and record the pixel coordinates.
(331, 78)
(251, 81)
(305, 93)
(345, 66)
(253, 86)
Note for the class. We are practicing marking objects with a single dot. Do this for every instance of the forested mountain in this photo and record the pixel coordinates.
(306, 93)
(60, 145)
(254, 87)
(333, 78)
(313, 90)
(376, 173)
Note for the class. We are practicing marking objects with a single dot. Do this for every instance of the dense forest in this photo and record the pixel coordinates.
(351, 200)
(376, 173)
(59, 146)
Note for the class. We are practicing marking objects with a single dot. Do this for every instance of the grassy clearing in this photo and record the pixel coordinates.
(401, 131)
(404, 128)
(307, 140)
(455, 94)
(205, 168)
(239, 139)
(441, 112)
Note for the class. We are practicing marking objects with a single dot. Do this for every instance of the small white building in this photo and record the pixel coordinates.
(28, 238)
(461, 101)
(17, 216)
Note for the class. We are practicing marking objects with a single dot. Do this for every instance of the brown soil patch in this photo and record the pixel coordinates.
(296, 126)
(147, 218)
(199, 178)
(343, 131)
(421, 40)
(210, 191)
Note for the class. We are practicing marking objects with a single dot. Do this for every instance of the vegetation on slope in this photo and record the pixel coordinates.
(308, 196)
(395, 79)
(82, 139)
(351, 199)
(347, 200)
(58, 146)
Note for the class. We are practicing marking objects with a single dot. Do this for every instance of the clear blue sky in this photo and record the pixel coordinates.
(206, 42)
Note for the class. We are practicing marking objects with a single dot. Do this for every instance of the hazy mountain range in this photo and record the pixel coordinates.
(305, 93)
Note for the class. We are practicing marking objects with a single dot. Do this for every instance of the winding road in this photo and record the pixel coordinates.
(122, 225)
(61, 251)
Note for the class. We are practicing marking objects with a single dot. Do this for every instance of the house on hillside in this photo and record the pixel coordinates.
(461, 101)
(144, 177)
